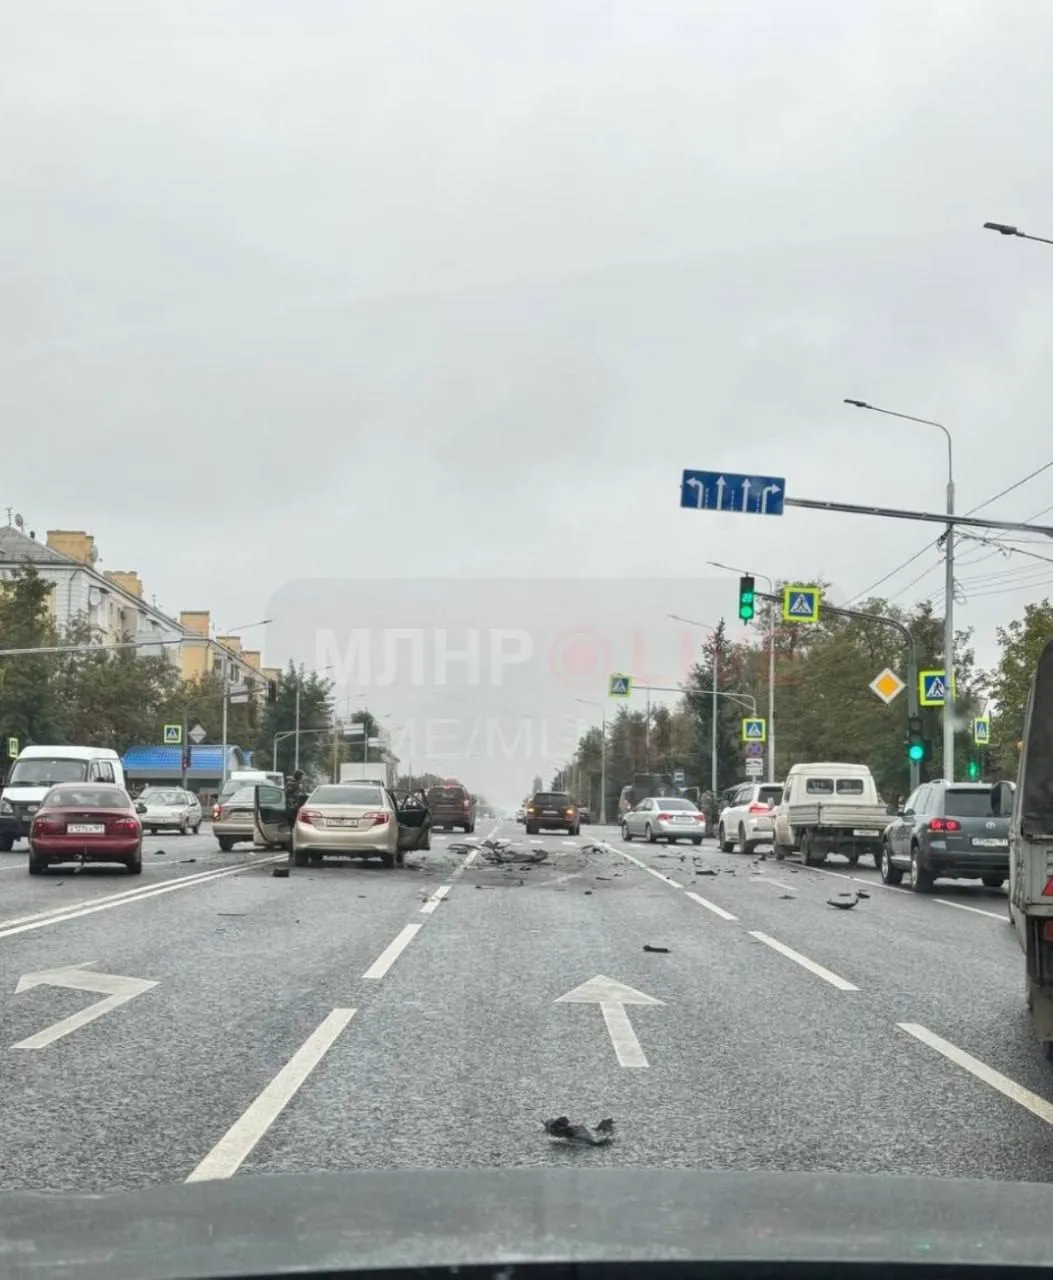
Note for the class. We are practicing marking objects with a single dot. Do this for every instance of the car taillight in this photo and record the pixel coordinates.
(127, 825)
(664, 817)
(48, 826)
(308, 816)
(379, 818)
(760, 808)
(945, 824)
(217, 812)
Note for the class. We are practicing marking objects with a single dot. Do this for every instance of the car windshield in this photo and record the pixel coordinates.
(44, 771)
(86, 798)
(346, 795)
(969, 802)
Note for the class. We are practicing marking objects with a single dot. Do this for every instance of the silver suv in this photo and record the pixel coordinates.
(748, 816)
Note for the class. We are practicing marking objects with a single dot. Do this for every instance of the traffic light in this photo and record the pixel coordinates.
(746, 599)
(916, 745)
(972, 769)
(272, 690)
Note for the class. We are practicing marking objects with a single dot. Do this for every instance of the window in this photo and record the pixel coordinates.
(850, 786)
(44, 771)
(921, 799)
(675, 805)
(967, 802)
(818, 786)
(553, 799)
(104, 771)
(332, 794)
(770, 795)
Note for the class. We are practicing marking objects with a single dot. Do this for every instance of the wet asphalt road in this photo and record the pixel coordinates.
(351, 1017)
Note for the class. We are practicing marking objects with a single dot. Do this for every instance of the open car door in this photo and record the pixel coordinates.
(414, 819)
(271, 817)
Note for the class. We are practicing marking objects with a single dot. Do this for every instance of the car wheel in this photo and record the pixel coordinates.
(400, 858)
(37, 865)
(726, 846)
(387, 861)
(184, 830)
(197, 828)
(921, 877)
(993, 882)
(627, 835)
(649, 835)
(889, 874)
(575, 831)
(531, 830)
(744, 844)
(135, 865)
(225, 843)
(696, 841)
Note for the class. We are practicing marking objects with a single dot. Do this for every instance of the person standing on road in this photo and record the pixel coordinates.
(295, 795)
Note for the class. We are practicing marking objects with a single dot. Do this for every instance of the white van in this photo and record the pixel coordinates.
(240, 778)
(36, 771)
(830, 807)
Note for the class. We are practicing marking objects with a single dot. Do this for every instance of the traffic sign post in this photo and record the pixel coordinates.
(754, 729)
(982, 731)
(619, 685)
(726, 491)
(753, 749)
(12, 747)
(173, 735)
(800, 604)
(887, 686)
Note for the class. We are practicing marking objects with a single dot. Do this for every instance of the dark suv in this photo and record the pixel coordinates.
(451, 805)
(950, 830)
(552, 811)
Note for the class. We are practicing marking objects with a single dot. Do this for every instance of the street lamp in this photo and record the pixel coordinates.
(771, 660)
(716, 687)
(1004, 229)
(588, 702)
(225, 684)
(948, 563)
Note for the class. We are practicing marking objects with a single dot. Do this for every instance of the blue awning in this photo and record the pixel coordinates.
(167, 762)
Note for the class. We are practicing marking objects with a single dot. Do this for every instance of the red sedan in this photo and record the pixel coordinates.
(86, 822)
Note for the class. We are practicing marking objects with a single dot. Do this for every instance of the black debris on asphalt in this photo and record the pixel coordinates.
(664, 951)
(580, 1134)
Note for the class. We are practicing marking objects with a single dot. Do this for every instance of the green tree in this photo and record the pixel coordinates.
(32, 708)
(316, 719)
(1021, 644)
(201, 702)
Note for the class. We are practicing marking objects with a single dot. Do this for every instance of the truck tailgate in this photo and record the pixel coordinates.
(854, 818)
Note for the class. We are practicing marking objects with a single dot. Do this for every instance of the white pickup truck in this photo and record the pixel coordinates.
(1031, 848)
(830, 808)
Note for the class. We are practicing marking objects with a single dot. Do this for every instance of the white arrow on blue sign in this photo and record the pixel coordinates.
(728, 491)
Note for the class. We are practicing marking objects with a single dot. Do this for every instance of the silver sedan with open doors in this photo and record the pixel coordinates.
(344, 820)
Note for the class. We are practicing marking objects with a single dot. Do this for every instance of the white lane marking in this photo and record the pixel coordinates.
(391, 953)
(803, 961)
(570, 875)
(627, 1047)
(114, 988)
(650, 870)
(436, 898)
(1015, 1092)
(469, 859)
(60, 915)
(227, 1156)
(960, 906)
(711, 906)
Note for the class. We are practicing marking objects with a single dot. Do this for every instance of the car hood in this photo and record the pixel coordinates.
(443, 1218)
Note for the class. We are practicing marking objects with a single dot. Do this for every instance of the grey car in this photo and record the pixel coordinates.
(947, 830)
(668, 818)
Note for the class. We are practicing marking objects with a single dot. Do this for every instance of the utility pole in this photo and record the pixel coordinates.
(296, 739)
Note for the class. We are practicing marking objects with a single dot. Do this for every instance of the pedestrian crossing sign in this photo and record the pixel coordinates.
(800, 604)
(982, 731)
(12, 747)
(619, 686)
(173, 735)
(932, 688)
(754, 729)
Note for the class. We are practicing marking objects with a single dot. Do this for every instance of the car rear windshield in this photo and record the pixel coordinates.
(770, 795)
(675, 805)
(437, 795)
(974, 802)
(45, 771)
(244, 795)
(163, 797)
(346, 795)
(553, 799)
(86, 797)
(826, 787)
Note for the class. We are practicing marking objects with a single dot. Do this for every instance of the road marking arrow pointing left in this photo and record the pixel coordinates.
(114, 989)
(612, 997)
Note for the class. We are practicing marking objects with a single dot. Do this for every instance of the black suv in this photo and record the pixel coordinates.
(949, 830)
(552, 811)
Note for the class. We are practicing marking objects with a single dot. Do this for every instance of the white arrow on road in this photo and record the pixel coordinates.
(612, 997)
(115, 990)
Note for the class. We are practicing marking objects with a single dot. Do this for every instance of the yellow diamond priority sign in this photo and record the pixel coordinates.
(887, 686)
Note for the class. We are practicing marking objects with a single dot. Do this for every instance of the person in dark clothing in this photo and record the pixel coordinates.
(296, 793)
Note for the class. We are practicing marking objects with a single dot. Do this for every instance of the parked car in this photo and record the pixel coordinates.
(552, 811)
(346, 820)
(232, 818)
(748, 817)
(947, 830)
(521, 814)
(171, 809)
(86, 822)
(669, 818)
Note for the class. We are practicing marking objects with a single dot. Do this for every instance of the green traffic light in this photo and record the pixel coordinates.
(916, 751)
(973, 770)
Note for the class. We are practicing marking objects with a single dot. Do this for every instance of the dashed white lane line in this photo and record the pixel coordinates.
(391, 953)
(658, 875)
(229, 1153)
(435, 899)
(1009, 1088)
(826, 974)
(59, 915)
(711, 906)
(469, 859)
(979, 911)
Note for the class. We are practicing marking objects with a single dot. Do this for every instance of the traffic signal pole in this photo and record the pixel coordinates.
(913, 696)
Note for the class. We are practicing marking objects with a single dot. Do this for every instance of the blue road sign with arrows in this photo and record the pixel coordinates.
(727, 491)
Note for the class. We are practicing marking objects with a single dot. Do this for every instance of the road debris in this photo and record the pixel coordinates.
(844, 901)
(580, 1134)
(663, 951)
(280, 873)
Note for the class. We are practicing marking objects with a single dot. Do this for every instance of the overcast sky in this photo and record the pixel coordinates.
(459, 287)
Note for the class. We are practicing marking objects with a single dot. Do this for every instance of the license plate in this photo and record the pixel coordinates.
(683, 820)
(990, 844)
(550, 813)
(85, 829)
(866, 833)
(342, 822)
